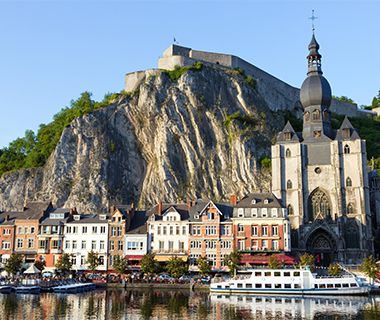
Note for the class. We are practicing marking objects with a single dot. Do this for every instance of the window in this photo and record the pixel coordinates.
(350, 208)
(101, 245)
(210, 215)
(210, 230)
(119, 231)
(275, 245)
(346, 133)
(120, 245)
(74, 244)
(181, 246)
(287, 274)
(307, 116)
(184, 230)
(240, 212)
(316, 115)
(225, 244)
(254, 212)
(30, 243)
(67, 244)
(25, 230)
(346, 149)
(258, 285)
(164, 230)
(267, 273)
(287, 135)
(264, 212)
(32, 229)
(82, 260)
(94, 229)
(171, 230)
(6, 245)
(225, 230)
(84, 229)
(177, 230)
(75, 229)
(158, 230)
(68, 229)
(74, 260)
(288, 154)
(274, 212)
(297, 286)
(254, 244)
(56, 244)
(264, 230)
(102, 229)
(264, 244)
(258, 274)
(319, 205)
(274, 230)
(196, 244)
(288, 285)
(348, 182)
(161, 245)
(20, 243)
(317, 133)
(240, 228)
(248, 285)
(112, 245)
(289, 184)
(210, 244)
(241, 245)
(254, 230)
(268, 286)
(93, 245)
(83, 244)
(101, 260)
(296, 274)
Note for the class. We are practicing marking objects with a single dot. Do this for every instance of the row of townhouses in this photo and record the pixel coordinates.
(202, 228)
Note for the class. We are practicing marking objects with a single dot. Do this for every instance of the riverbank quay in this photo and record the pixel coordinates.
(165, 286)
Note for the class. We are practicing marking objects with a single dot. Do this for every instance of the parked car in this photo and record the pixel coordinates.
(185, 278)
(165, 277)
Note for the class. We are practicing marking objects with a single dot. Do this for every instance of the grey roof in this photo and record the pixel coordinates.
(200, 204)
(138, 223)
(315, 91)
(8, 218)
(124, 209)
(36, 210)
(259, 198)
(89, 218)
(181, 208)
(346, 125)
(288, 128)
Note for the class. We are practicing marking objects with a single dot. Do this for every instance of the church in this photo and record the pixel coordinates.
(321, 176)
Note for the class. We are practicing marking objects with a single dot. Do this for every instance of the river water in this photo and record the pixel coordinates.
(115, 304)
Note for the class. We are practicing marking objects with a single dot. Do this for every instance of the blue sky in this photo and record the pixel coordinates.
(51, 51)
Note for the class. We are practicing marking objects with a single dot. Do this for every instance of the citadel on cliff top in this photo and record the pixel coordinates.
(277, 94)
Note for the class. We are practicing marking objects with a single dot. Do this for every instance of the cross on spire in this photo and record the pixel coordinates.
(312, 18)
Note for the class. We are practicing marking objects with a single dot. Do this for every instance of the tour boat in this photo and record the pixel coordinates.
(289, 281)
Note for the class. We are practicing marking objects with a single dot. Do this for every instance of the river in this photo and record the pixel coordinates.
(115, 304)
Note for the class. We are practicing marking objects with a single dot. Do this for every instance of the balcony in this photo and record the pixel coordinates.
(56, 251)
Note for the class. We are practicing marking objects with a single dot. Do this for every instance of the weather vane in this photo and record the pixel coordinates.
(312, 18)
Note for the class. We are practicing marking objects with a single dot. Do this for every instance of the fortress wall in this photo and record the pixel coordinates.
(134, 79)
(216, 58)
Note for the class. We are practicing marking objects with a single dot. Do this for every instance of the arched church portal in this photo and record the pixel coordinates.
(319, 205)
(323, 246)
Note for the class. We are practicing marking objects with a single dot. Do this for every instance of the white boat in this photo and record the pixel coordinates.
(289, 281)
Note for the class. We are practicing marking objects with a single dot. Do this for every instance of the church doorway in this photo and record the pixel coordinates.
(322, 245)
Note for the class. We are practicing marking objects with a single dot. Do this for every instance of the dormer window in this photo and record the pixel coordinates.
(307, 116)
(210, 215)
(346, 133)
(102, 217)
(254, 212)
(287, 135)
(76, 217)
(264, 212)
(241, 213)
(253, 201)
(266, 201)
(196, 216)
(316, 115)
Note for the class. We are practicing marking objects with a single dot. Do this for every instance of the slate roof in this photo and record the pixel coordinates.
(11, 218)
(89, 218)
(195, 211)
(138, 223)
(36, 210)
(295, 137)
(259, 198)
(181, 208)
(346, 124)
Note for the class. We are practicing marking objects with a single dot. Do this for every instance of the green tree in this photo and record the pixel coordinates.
(176, 267)
(334, 270)
(40, 263)
(92, 260)
(370, 267)
(14, 263)
(233, 261)
(274, 263)
(149, 264)
(306, 260)
(64, 263)
(203, 266)
(120, 264)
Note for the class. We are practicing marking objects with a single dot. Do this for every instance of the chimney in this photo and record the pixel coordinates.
(73, 211)
(112, 209)
(233, 200)
(159, 208)
(189, 203)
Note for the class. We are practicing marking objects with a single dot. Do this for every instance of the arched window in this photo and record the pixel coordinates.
(348, 182)
(316, 115)
(307, 116)
(319, 205)
(346, 149)
(290, 210)
(351, 234)
(288, 135)
(350, 208)
(289, 184)
(288, 154)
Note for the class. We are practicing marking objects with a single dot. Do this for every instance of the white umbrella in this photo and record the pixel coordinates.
(32, 270)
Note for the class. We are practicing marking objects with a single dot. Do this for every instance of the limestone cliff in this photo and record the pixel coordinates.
(201, 135)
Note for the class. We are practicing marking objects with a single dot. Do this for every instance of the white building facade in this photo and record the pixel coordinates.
(85, 233)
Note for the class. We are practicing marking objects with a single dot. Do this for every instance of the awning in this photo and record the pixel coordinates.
(162, 258)
(134, 257)
(264, 259)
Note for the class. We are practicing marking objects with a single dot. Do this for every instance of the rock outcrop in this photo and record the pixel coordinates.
(202, 135)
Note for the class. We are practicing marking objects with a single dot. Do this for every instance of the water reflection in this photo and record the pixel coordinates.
(118, 304)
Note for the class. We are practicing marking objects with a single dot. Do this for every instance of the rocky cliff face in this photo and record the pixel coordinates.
(201, 135)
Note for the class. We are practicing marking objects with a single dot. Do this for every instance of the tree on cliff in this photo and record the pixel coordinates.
(13, 264)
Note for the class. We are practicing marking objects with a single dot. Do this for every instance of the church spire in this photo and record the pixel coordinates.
(314, 57)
